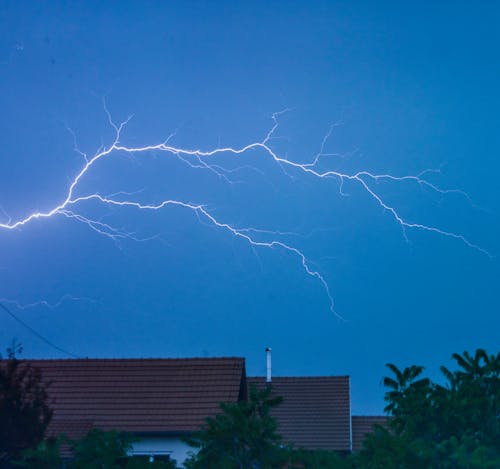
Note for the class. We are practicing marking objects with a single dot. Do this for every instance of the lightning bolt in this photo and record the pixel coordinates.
(206, 160)
(45, 303)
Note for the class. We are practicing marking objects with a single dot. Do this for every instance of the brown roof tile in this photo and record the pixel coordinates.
(139, 395)
(362, 425)
(72, 429)
(315, 412)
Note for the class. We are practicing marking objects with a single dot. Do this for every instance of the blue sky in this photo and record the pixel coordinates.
(412, 87)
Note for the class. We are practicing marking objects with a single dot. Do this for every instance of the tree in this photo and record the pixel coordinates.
(109, 450)
(24, 410)
(100, 450)
(243, 435)
(97, 450)
(46, 455)
(450, 426)
(316, 459)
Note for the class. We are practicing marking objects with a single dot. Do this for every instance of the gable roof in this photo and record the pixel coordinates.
(315, 412)
(362, 425)
(139, 395)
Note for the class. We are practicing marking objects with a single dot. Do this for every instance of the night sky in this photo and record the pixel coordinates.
(410, 87)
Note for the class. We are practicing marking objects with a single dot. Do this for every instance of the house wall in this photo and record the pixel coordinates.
(161, 445)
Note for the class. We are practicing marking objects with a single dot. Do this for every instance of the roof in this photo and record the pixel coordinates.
(362, 425)
(315, 412)
(139, 395)
(73, 429)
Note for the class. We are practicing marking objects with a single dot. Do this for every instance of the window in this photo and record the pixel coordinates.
(165, 457)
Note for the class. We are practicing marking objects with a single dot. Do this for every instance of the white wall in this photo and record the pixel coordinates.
(173, 446)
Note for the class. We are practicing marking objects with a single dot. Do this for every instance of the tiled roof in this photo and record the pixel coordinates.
(72, 429)
(315, 412)
(139, 395)
(361, 425)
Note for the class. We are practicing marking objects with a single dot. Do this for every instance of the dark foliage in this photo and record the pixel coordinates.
(451, 426)
(46, 455)
(24, 408)
(100, 450)
(97, 450)
(455, 425)
(243, 435)
(318, 459)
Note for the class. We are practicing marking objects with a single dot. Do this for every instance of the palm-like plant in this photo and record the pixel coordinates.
(456, 425)
(404, 382)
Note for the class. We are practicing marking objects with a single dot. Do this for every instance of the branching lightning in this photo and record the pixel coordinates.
(45, 303)
(198, 159)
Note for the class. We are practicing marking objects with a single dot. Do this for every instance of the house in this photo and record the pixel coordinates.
(157, 400)
(315, 412)
(362, 425)
(161, 401)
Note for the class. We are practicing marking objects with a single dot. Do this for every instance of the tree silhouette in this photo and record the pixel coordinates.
(244, 435)
(24, 410)
(455, 425)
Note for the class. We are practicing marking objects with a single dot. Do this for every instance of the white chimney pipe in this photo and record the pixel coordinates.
(268, 360)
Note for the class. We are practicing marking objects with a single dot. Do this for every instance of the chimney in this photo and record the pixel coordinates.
(268, 361)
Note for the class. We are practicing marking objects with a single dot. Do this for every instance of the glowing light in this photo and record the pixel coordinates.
(45, 303)
(199, 159)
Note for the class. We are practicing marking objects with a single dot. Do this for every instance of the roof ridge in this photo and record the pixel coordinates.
(132, 359)
(300, 377)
